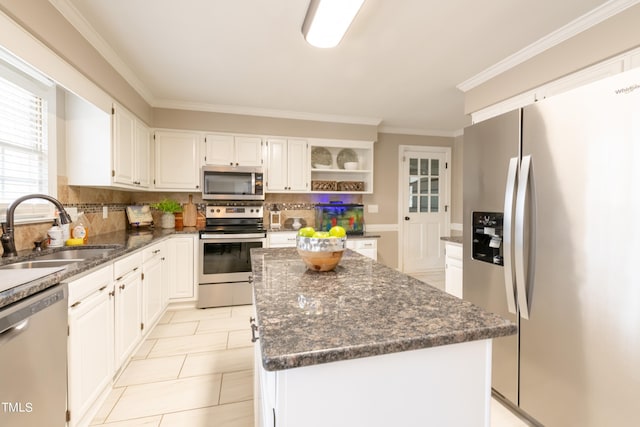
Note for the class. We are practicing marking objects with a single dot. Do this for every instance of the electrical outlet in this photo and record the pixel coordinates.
(73, 213)
(105, 212)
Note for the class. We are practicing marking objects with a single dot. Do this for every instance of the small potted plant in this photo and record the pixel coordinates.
(168, 208)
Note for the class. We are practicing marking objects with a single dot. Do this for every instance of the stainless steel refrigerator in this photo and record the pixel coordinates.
(563, 176)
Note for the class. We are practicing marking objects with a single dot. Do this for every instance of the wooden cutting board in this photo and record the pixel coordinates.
(189, 213)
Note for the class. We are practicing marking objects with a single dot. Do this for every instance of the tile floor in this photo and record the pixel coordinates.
(196, 370)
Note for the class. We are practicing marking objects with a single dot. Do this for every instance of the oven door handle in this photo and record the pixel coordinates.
(248, 237)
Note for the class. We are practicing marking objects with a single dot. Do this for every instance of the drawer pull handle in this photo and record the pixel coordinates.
(102, 288)
(75, 304)
(254, 328)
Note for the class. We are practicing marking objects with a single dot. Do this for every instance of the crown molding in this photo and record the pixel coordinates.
(75, 18)
(421, 132)
(575, 27)
(266, 112)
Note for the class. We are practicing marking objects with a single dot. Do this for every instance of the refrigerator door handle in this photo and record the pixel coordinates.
(524, 274)
(509, 200)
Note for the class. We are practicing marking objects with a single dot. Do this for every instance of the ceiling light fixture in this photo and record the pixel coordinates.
(327, 21)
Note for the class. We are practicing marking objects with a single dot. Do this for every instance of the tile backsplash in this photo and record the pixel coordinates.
(92, 202)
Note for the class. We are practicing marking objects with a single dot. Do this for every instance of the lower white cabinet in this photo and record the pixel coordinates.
(418, 387)
(287, 239)
(453, 269)
(128, 306)
(366, 247)
(90, 345)
(180, 267)
(281, 239)
(110, 311)
(153, 288)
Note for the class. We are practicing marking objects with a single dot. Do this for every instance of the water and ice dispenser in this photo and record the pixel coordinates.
(487, 237)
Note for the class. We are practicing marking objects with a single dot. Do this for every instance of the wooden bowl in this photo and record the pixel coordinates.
(321, 254)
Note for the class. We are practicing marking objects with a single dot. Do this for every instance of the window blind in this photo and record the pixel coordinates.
(23, 150)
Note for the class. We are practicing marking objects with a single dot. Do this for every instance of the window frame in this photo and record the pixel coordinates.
(22, 75)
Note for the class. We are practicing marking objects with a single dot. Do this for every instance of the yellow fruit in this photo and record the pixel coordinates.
(306, 232)
(337, 231)
(321, 234)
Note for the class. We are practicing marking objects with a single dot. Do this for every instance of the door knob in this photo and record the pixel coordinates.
(406, 218)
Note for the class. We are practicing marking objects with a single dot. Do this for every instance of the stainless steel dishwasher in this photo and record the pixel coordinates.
(33, 360)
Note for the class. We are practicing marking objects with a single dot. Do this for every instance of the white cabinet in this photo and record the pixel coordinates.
(105, 150)
(366, 247)
(131, 149)
(287, 239)
(408, 388)
(287, 165)
(453, 269)
(329, 174)
(153, 289)
(177, 164)
(128, 306)
(90, 345)
(180, 266)
(124, 151)
(230, 150)
(142, 175)
(281, 239)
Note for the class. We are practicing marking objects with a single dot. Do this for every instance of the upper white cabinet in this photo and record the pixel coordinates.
(287, 165)
(131, 149)
(142, 174)
(105, 150)
(177, 160)
(341, 166)
(230, 150)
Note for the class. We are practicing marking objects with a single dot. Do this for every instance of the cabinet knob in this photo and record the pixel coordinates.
(406, 218)
(121, 286)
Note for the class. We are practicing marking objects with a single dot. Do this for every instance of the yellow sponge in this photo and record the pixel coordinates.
(74, 242)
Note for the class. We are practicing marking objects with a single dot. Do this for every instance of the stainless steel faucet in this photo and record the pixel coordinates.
(8, 242)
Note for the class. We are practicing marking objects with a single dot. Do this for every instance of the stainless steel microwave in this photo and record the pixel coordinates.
(231, 183)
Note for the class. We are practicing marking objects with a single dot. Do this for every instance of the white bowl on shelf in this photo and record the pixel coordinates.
(350, 166)
(320, 166)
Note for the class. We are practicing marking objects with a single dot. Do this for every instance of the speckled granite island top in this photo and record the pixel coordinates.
(360, 309)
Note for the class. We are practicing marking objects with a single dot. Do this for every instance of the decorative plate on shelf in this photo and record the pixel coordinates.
(346, 155)
(321, 158)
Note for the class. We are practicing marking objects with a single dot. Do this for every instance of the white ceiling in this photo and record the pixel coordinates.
(398, 65)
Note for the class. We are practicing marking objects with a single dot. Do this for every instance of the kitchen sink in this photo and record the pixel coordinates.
(59, 258)
(76, 254)
(47, 263)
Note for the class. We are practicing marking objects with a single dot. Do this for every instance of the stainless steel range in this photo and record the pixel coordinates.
(225, 262)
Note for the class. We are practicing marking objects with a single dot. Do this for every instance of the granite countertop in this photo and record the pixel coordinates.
(452, 239)
(360, 309)
(122, 243)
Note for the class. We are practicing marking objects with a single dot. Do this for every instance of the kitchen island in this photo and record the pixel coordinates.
(365, 345)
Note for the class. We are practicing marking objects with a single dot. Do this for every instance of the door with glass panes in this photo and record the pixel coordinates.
(424, 212)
